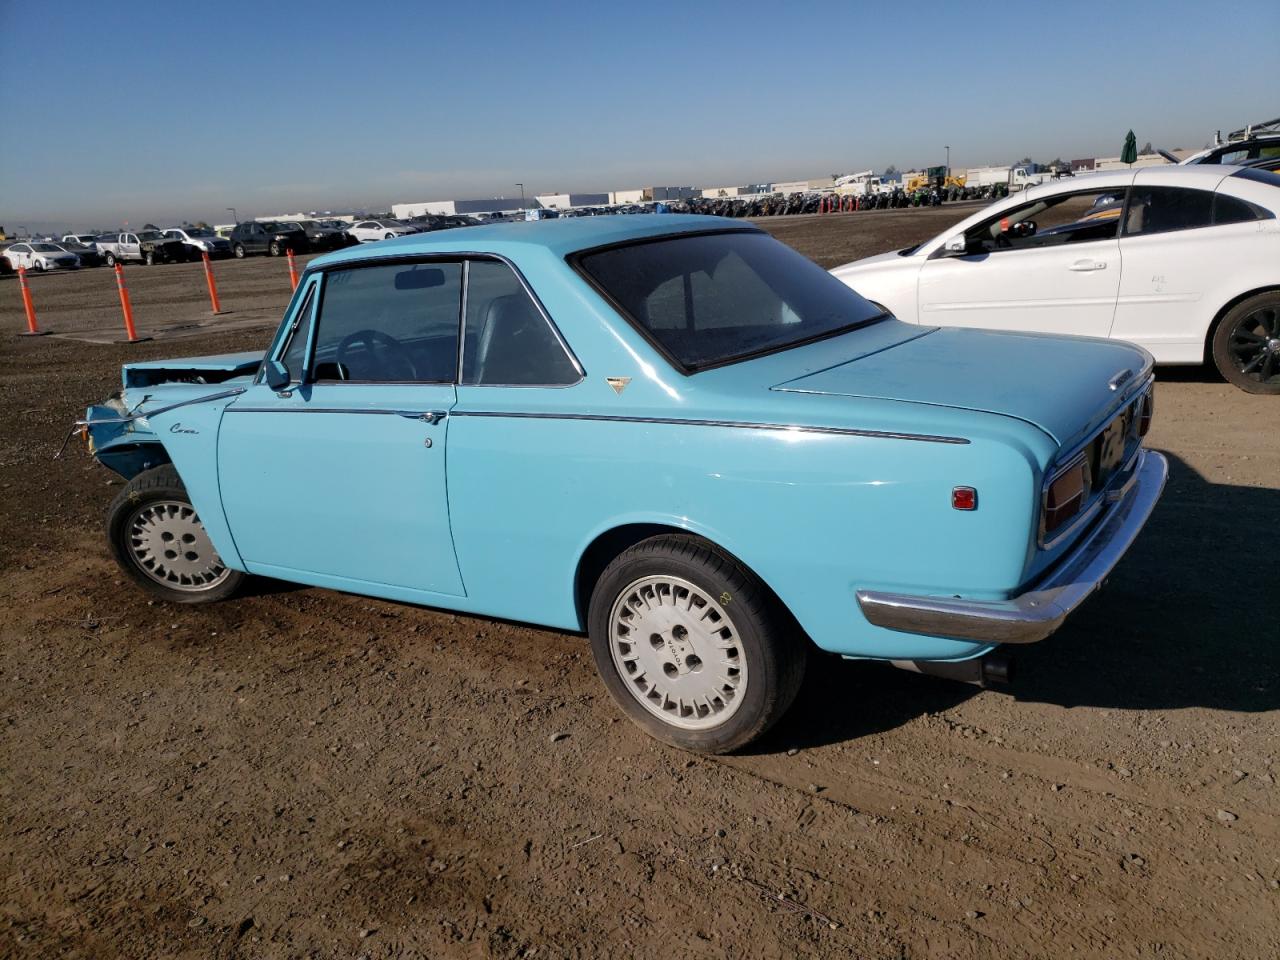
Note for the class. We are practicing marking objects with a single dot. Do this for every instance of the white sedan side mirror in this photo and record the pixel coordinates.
(955, 246)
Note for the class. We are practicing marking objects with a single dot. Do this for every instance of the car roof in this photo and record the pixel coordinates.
(1204, 176)
(562, 236)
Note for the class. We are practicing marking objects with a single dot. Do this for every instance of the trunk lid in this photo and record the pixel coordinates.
(1066, 386)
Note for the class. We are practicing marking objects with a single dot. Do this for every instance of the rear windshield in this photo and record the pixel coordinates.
(711, 299)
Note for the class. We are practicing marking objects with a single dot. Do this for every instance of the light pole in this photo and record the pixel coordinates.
(948, 148)
(233, 214)
(521, 186)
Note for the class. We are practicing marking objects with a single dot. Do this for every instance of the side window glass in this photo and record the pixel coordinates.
(1228, 209)
(396, 323)
(508, 340)
(1165, 209)
(1053, 221)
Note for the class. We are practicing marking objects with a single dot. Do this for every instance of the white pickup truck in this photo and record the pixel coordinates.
(145, 246)
(1014, 178)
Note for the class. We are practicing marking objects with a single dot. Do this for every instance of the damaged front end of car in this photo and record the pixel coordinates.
(119, 432)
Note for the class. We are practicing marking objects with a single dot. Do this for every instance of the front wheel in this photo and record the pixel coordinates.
(692, 646)
(274, 249)
(239, 251)
(157, 538)
(1246, 345)
(149, 258)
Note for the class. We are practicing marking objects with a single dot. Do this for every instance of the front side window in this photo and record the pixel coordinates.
(710, 299)
(1051, 221)
(508, 340)
(1165, 209)
(393, 323)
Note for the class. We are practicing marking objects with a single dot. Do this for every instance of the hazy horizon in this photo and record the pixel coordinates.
(275, 108)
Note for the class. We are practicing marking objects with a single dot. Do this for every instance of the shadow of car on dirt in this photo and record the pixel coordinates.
(1190, 618)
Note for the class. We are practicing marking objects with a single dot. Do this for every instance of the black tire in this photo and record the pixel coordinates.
(767, 639)
(238, 250)
(111, 259)
(1246, 345)
(149, 258)
(389, 236)
(274, 249)
(159, 489)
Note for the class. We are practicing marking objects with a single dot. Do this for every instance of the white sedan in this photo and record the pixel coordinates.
(40, 256)
(367, 231)
(1184, 261)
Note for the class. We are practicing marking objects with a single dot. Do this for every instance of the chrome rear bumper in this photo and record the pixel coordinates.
(1039, 612)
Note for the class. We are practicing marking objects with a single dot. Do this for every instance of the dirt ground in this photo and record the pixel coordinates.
(299, 773)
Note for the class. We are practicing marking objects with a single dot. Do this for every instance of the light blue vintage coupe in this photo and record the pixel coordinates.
(674, 433)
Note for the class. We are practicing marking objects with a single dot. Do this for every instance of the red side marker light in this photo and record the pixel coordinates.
(964, 498)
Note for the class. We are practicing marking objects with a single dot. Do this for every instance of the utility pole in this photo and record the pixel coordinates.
(521, 186)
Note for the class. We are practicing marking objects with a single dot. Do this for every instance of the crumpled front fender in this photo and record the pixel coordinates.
(128, 448)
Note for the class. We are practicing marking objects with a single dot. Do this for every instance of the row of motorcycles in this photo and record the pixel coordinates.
(776, 206)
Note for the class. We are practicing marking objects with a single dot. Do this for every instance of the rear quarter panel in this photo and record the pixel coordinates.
(816, 516)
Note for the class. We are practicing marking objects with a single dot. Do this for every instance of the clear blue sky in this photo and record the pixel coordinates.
(154, 111)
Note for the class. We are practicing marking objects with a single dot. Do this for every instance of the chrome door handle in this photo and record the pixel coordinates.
(1084, 266)
(429, 416)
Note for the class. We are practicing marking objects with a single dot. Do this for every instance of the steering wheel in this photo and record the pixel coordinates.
(385, 352)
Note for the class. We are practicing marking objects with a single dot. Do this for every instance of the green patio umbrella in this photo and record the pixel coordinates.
(1130, 152)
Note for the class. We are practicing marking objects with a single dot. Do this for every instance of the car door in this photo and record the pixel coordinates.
(1051, 264)
(1173, 257)
(339, 478)
(130, 248)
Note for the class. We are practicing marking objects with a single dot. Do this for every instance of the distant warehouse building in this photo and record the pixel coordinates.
(653, 194)
(566, 201)
(450, 208)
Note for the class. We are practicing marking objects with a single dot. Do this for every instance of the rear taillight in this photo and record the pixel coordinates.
(1067, 495)
(1146, 410)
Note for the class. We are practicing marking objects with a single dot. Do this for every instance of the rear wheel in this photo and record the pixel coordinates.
(692, 647)
(157, 538)
(1246, 345)
(111, 259)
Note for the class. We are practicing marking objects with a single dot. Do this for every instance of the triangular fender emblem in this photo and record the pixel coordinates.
(618, 383)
